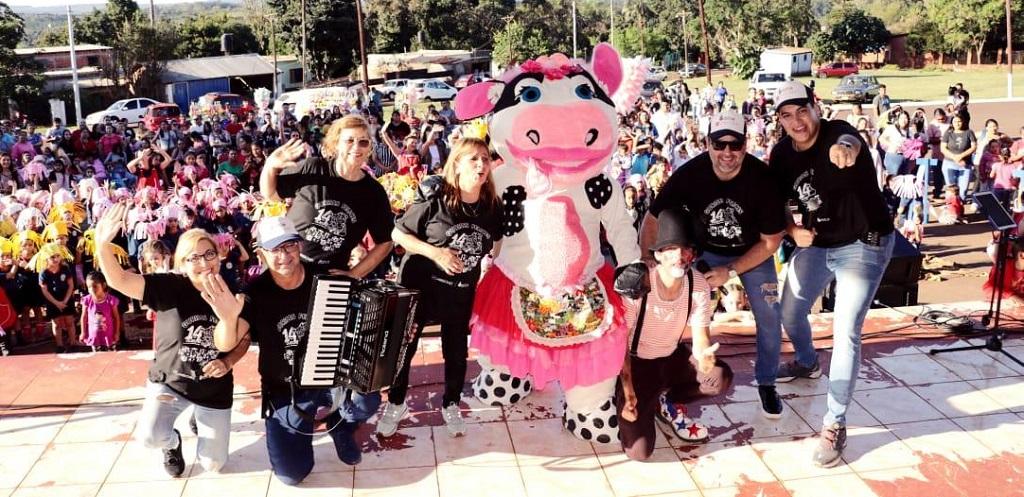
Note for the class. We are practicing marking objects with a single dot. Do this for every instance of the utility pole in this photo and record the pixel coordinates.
(152, 15)
(574, 29)
(686, 42)
(305, 66)
(1009, 51)
(707, 44)
(74, 66)
(273, 48)
(611, 15)
(362, 46)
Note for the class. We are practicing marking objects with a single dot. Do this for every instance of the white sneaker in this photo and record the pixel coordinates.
(453, 420)
(387, 425)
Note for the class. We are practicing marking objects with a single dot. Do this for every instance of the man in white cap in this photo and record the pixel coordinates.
(844, 233)
(739, 218)
(273, 310)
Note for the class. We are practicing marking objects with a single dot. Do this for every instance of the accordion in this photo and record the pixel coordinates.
(357, 335)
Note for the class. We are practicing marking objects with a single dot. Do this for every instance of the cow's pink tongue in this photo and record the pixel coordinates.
(537, 183)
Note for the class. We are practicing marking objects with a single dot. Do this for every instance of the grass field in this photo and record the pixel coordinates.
(903, 85)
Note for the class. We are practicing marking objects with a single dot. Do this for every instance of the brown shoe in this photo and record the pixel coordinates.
(830, 446)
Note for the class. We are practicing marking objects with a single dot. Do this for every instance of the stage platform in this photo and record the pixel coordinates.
(920, 426)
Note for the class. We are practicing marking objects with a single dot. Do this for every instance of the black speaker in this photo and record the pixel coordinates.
(227, 43)
(899, 283)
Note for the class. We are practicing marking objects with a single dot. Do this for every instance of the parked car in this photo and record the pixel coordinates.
(657, 73)
(856, 88)
(392, 86)
(838, 69)
(692, 70)
(769, 82)
(470, 79)
(130, 109)
(432, 89)
(235, 104)
(158, 113)
(650, 88)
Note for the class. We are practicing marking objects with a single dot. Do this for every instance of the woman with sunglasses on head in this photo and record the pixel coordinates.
(335, 202)
(187, 369)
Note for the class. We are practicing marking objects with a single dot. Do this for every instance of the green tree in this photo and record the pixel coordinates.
(332, 38)
(199, 36)
(390, 26)
(738, 27)
(19, 77)
(965, 23)
(52, 36)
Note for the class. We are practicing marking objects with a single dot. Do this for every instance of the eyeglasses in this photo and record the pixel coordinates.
(735, 146)
(207, 256)
(285, 248)
(362, 142)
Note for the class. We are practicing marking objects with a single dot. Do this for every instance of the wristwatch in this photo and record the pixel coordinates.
(732, 271)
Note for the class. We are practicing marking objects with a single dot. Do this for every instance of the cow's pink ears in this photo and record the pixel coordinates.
(607, 67)
(478, 99)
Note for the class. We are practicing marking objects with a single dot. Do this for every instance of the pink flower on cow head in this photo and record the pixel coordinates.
(554, 67)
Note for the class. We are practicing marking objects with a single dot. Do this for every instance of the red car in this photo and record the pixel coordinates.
(838, 69)
(159, 113)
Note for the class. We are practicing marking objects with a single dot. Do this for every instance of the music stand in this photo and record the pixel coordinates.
(1002, 222)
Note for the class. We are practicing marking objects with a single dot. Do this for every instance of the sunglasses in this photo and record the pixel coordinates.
(734, 146)
(362, 142)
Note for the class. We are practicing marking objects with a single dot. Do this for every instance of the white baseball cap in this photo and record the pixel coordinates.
(793, 93)
(728, 123)
(273, 231)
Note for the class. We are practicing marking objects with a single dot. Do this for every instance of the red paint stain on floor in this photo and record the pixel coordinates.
(999, 476)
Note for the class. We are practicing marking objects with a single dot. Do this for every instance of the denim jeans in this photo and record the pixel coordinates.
(955, 174)
(762, 286)
(156, 426)
(290, 448)
(893, 163)
(857, 269)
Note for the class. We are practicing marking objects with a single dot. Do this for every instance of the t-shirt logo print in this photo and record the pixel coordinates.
(330, 226)
(197, 348)
(292, 331)
(724, 220)
(468, 240)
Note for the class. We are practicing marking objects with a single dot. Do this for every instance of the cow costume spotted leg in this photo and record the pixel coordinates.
(589, 413)
(497, 387)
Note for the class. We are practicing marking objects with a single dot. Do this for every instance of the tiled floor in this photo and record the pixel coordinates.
(919, 425)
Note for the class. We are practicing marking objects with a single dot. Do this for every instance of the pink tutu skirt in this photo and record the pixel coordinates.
(497, 335)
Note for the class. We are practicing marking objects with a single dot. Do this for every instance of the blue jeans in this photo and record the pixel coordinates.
(857, 269)
(893, 163)
(762, 286)
(955, 174)
(290, 449)
(156, 425)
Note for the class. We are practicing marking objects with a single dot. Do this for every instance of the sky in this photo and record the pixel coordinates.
(61, 3)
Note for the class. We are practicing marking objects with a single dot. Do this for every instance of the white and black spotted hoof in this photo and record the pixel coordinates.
(599, 426)
(500, 389)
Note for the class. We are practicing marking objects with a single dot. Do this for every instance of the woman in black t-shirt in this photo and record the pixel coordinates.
(446, 234)
(187, 369)
(335, 201)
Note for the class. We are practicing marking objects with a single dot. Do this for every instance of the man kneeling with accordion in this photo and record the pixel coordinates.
(315, 366)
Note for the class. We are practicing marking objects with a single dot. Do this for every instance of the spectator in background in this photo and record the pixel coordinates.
(958, 146)
(881, 103)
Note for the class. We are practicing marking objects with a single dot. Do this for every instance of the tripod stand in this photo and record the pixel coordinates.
(1002, 221)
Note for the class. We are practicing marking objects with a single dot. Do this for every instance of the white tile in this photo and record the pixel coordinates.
(315, 485)
(488, 479)
(99, 424)
(483, 442)
(139, 464)
(58, 491)
(942, 438)
(475, 411)
(410, 447)
(725, 465)
(325, 456)
(846, 485)
(896, 405)
(975, 364)
(748, 416)
(999, 432)
(73, 464)
(30, 429)
(545, 438)
(919, 369)
(812, 410)
(419, 482)
(662, 474)
(871, 376)
(172, 488)
(1008, 392)
(569, 476)
(16, 461)
(791, 459)
(801, 387)
(540, 404)
(958, 399)
(247, 456)
(875, 448)
(249, 486)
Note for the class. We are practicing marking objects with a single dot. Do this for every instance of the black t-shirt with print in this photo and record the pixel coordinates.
(277, 320)
(184, 341)
(959, 141)
(730, 215)
(840, 204)
(333, 214)
(473, 236)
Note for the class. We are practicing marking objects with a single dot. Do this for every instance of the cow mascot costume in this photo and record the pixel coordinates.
(547, 310)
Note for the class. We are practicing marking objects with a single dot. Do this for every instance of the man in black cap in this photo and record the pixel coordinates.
(844, 233)
(660, 374)
(739, 217)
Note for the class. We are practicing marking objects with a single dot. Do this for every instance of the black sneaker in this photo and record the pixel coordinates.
(771, 404)
(345, 445)
(174, 463)
(192, 424)
(830, 446)
(5, 347)
(792, 370)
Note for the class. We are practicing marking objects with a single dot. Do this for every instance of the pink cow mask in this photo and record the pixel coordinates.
(557, 119)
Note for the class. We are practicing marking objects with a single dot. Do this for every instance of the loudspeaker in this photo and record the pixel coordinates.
(227, 43)
(899, 283)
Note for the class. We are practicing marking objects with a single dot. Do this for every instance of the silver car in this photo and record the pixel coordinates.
(856, 88)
